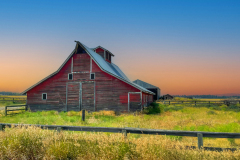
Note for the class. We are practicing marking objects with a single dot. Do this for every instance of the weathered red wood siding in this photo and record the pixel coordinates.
(110, 92)
(100, 51)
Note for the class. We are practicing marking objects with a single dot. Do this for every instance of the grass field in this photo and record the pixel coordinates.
(34, 143)
(77, 145)
(8, 100)
(213, 119)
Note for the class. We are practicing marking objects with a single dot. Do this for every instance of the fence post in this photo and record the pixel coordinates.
(124, 132)
(2, 127)
(209, 103)
(200, 140)
(83, 115)
(59, 129)
(169, 102)
(26, 107)
(13, 100)
(195, 103)
(5, 110)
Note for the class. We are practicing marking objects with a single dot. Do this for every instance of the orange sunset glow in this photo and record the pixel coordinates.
(181, 50)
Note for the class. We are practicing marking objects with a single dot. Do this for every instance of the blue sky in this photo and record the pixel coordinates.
(157, 37)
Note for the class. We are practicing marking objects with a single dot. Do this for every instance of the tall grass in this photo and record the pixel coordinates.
(34, 143)
(173, 118)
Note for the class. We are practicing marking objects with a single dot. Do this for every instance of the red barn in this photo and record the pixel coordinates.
(88, 80)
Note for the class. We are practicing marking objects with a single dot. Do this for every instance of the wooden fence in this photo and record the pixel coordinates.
(15, 108)
(13, 99)
(127, 130)
(200, 102)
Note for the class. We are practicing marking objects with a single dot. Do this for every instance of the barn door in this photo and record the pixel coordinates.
(80, 95)
(88, 96)
(134, 101)
(73, 100)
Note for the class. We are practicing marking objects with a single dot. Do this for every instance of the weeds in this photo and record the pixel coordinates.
(34, 143)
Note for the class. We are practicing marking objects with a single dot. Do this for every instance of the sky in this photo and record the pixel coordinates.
(184, 47)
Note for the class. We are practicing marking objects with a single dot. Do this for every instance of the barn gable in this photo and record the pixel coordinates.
(109, 68)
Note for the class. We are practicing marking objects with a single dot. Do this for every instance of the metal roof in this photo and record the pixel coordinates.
(110, 68)
(103, 49)
(144, 84)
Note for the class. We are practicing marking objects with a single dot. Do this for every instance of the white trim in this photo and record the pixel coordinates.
(90, 64)
(129, 99)
(82, 72)
(120, 78)
(42, 96)
(72, 65)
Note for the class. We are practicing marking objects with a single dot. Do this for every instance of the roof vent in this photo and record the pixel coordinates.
(106, 54)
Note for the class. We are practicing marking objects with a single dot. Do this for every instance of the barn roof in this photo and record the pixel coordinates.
(103, 49)
(105, 66)
(144, 84)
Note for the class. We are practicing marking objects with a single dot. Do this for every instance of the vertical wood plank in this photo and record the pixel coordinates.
(59, 129)
(2, 127)
(5, 110)
(83, 115)
(200, 140)
(124, 132)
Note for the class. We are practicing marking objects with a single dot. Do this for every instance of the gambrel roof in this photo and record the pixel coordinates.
(105, 66)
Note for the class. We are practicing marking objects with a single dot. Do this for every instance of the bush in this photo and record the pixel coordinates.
(154, 108)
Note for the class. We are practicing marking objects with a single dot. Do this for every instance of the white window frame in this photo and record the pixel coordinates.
(94, 76)
(42, 96)
(68, 76)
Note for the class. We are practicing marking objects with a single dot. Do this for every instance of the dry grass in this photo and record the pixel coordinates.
(13, 96)
(34, 143)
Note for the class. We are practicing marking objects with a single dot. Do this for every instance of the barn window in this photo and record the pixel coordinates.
(92, 76)
(70, 76)
(44, 96)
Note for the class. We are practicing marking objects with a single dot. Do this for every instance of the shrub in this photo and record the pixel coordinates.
(154, 108)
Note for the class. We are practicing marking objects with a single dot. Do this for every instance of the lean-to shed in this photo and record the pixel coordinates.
(87, 80)
(149, 87)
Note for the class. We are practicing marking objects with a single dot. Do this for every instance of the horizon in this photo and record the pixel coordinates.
(182, 47)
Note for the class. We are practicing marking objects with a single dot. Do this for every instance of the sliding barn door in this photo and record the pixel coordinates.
(134, 101)
(73, 96)
(88, 96)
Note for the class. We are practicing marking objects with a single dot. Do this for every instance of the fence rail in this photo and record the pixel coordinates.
(15, 108)
(11, 99)
(127, 130)
(200, 102)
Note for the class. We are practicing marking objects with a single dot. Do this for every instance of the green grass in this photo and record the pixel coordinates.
(35, 143)
(179, 117)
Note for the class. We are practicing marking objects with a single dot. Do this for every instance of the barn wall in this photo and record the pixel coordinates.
(110, 92)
